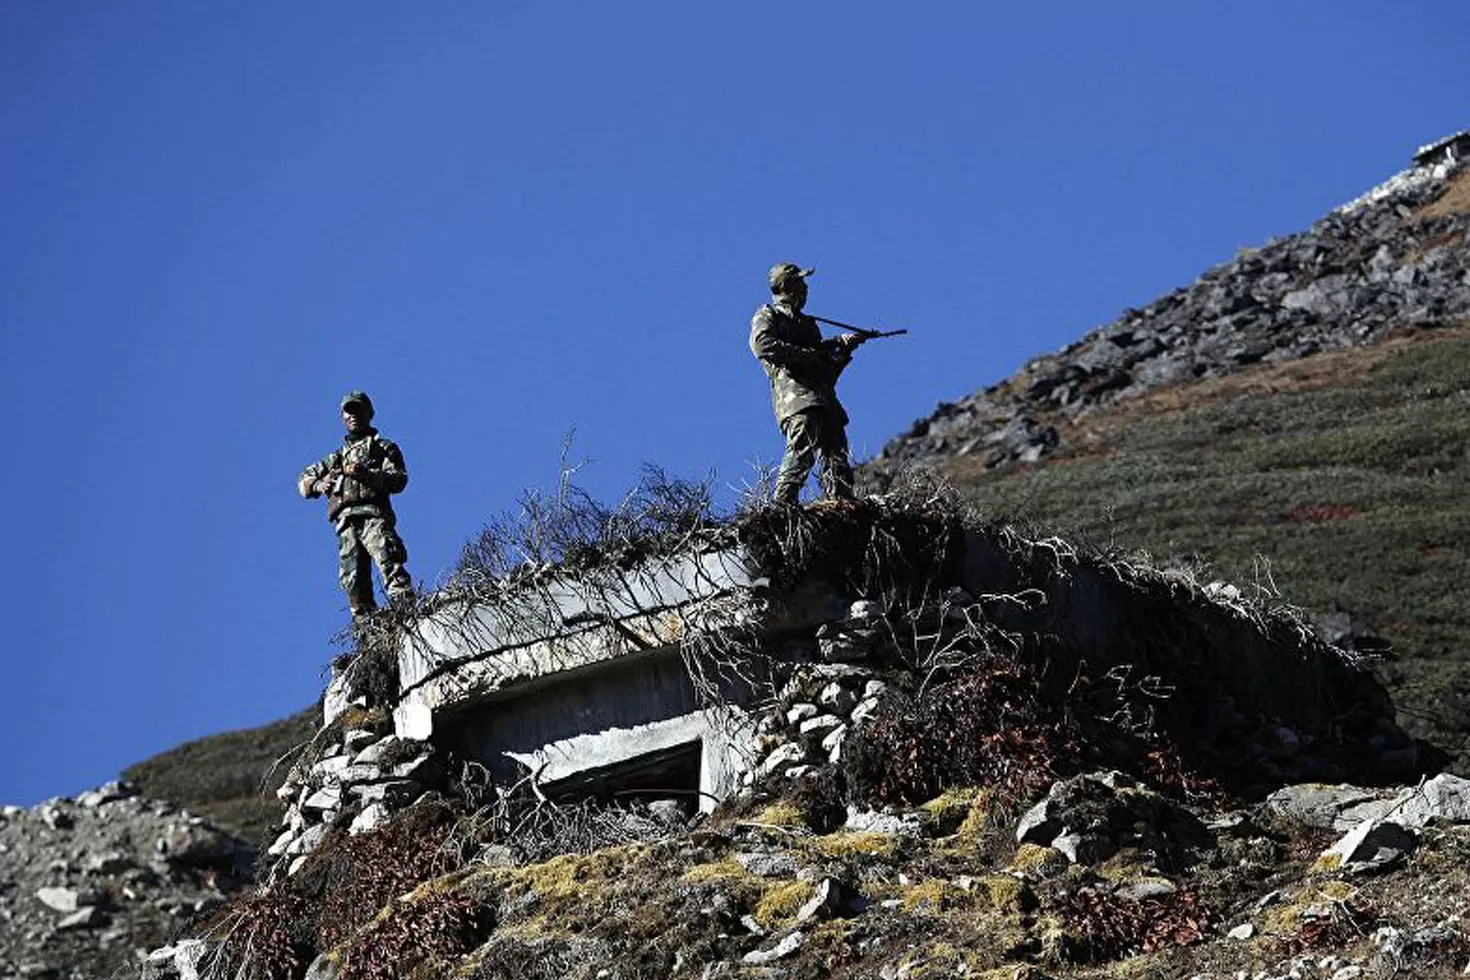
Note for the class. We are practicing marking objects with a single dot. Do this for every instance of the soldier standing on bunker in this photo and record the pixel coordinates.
(357, 480)
(803, 369)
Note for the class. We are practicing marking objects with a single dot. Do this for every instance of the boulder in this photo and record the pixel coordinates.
(1372, 845)
(1328, 807)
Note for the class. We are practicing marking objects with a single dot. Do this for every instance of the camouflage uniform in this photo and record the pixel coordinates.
(803, 372)
(360, 510)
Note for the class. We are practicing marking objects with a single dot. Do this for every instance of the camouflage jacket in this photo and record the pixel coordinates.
(362, 495)
(803, 372)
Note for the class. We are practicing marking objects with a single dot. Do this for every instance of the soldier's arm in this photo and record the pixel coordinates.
(765, 345)
(307, 482)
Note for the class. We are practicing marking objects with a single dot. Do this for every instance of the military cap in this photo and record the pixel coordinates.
(784, 271)
(358, 398)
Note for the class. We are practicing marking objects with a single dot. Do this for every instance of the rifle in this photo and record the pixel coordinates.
(862, 332)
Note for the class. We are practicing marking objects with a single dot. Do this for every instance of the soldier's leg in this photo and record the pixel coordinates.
(836, 473)
(354, 569)
(801, 452)
(389, 551)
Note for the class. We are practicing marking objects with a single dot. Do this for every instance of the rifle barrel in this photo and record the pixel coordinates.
(848, 326)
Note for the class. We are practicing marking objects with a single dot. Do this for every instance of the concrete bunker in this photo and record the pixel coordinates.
(599, 681)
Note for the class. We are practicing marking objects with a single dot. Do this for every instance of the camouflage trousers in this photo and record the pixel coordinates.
(810, 434)
(360, 542)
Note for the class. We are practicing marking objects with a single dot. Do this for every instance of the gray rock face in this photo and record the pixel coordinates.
(80, 876)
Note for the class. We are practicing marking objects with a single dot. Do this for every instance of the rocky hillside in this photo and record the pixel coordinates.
(1296, 418)
(89, 884)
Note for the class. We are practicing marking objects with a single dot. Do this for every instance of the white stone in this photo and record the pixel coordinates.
(356, 739)
(837, 698)
(331, 767)
(371, 818)
(86, 917)
(373, 753)
(1445, 798)
(281, 843)
(308, 841)
(835, 738)
(1243, 931)
(413, 768)
(821, 723)
(783, 755)
(784, 948)
(874, 689)
(1372, 842)
(60, 899)
(865, 709)
(799, 713)
(326, 798)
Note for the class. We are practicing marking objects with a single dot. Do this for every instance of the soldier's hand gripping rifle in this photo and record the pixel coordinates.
(861, 334)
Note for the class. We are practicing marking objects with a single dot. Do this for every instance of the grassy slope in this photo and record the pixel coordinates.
(1347, 475)
(228, 777)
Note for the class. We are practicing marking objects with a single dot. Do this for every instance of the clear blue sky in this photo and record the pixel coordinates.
(507, 220)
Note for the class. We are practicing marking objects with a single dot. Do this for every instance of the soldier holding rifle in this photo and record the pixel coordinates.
(357, 481)
(803, 370)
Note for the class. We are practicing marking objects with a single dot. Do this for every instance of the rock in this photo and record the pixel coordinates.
(330, 769)
(308, 841)
(800, 712)
(1243, 931)
(784, 948)
(827, 901)
(327, 798)
(668, 813)
(416, 768)
(1329, 807)
(874, 689)
(834, 738)
(357, 739)
(198, 844)
(1081, 848)
(393, 793)
(324, 967)
(107, 793)
(281, 843)
(865, 610)
(837, 698)
(372, 754)
(496, 856)
(108, 863)
(371, 818)
(768, 865)
(783, 755)
(1146, 888)
(87, 917)
(56, 818)
(62, 899)
(1040, 824)
(820, 724)
(1443, 799)
(1373, 844)
(875, 822)
(180, 960)
(864, 710)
